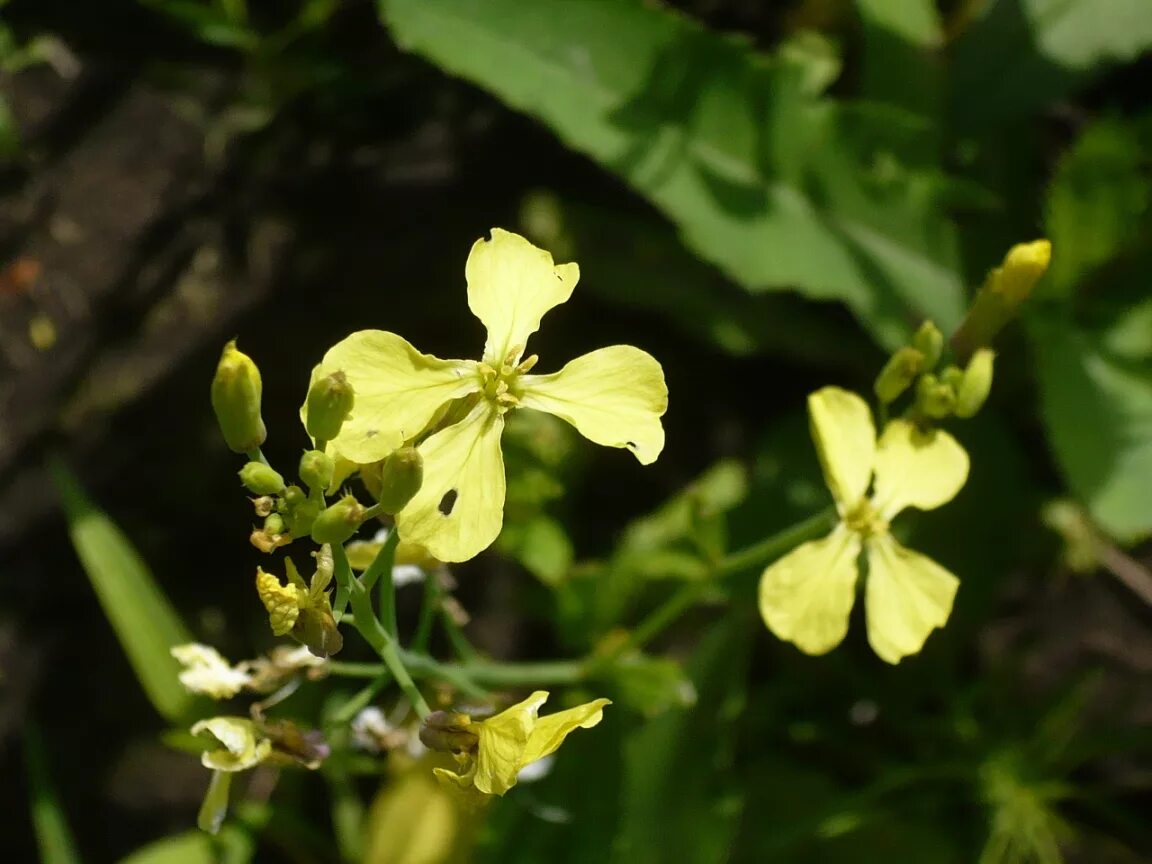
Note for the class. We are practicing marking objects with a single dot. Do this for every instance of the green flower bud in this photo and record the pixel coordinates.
(236, 390)
(953, 376)
(929, 341)
(401, 474)
(976, 384)
(261, 479)
(274, 524)
(330, 401)
(317, 469)
(339, 522)
(300, 511)
(934, 398)
(898, 374)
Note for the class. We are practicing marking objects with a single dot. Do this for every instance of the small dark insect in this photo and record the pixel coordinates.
(448, 502)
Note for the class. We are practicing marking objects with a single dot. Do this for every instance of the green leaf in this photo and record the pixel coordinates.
(1098, 412)
(1098, 201)
(774, 184)
(691, 752)
(900, 45)
(193, 847)
(53, 837)
(1025, 54)
(144, 620)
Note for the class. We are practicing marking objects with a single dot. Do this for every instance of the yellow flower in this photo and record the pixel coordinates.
(613, 396)
(807, 595)
(491, 753)
(304, 610)
(241, 744)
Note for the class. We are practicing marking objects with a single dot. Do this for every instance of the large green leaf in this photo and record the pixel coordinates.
(1025, 54)
(1098, 410)
(773, 183)
(1099, 200)
(144, 620)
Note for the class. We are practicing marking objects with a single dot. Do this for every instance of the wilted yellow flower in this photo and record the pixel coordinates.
(807, 595)
(491, 753)
(209, 673)
(241, 744)
(613, 396)
(304, 610)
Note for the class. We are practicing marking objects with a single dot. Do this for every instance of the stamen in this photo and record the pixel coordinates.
(528, 363)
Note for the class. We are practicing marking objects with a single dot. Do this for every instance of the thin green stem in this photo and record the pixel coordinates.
(666, 614)
(428, 606)
(473, 676)
(257, 455)
(344, 669)
(374, 633)
(360, 700)
(381, 569)
(771, 548)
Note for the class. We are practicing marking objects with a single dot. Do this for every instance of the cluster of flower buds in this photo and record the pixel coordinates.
(950, 392)
(956, 391)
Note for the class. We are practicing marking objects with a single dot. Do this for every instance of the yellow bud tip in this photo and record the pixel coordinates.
(1023, 266)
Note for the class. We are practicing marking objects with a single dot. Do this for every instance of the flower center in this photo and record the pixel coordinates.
(865, 520)
(498, 384)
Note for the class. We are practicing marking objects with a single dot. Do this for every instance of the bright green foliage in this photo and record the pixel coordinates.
(765, 177)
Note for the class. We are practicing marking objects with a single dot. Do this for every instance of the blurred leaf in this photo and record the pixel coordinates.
(144, 620)
(681, 799)
(774, 184)
(9, 133)
(1098, 412)
(636, 262)
(1025, 54)
(541, 545)
(1098, 201)
(900, 45)
(415, 820)
(53, 837)
(192, 847)
(648, 685)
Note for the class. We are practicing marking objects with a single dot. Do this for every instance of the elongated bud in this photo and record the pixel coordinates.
(449, 732)
(317, 469)
(401, 474)
(976, 384)
(929, 341)
(236, 390)
(998, 301)
(330, 401)
(261, 479)
(339, 522)
(934, 398)
(898, 374)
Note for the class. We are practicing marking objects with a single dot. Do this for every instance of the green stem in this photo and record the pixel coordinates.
(381, 569)
(771, 548)
(428, 606)
(374, 633)
(257, 455)
(473, 676)
(758, 554)
(381, 677)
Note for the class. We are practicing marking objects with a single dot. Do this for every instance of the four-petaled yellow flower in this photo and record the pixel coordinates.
(613, 396)
(806, 597)
(491, 753)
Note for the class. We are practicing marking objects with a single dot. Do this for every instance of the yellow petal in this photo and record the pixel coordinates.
(550, 731)
(241, 747)
(614, 396)
(916, 468)
(907, 596)
(511, 284)
(398, 391)
(503, 739)
(807, 596)
(845, 437)
(459, 510)
(283, 602)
